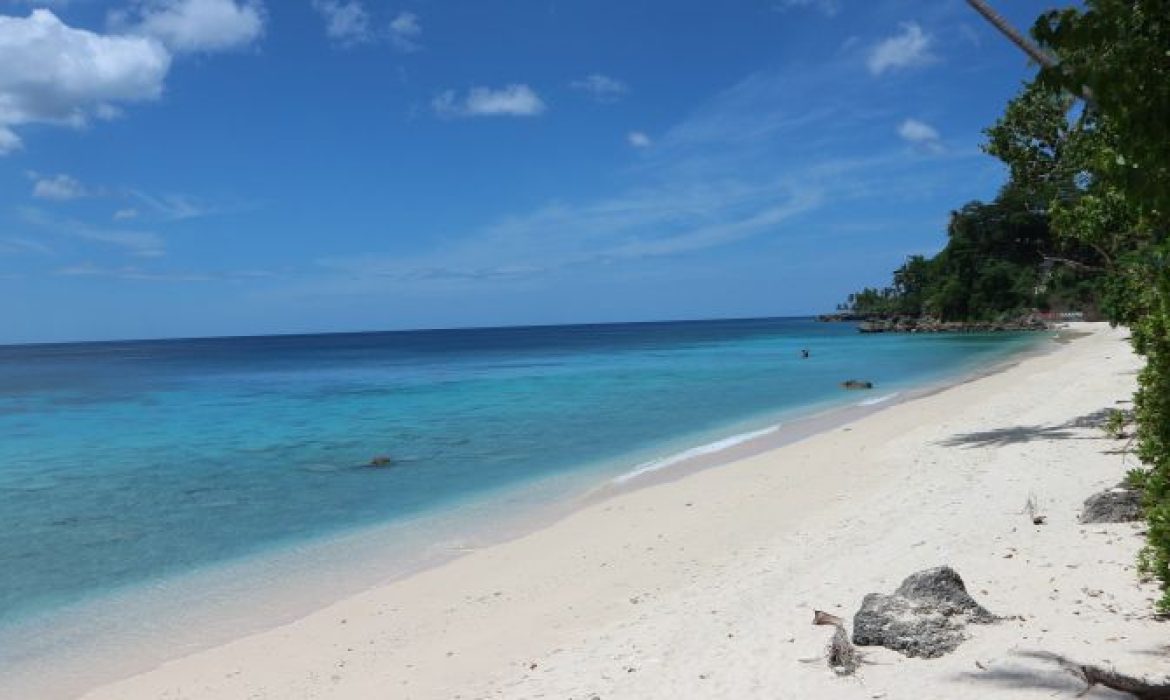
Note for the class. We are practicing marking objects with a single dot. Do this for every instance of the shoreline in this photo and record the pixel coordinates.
(686, 469)
(703, 587)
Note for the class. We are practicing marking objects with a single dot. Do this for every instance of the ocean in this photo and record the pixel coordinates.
(127, 464)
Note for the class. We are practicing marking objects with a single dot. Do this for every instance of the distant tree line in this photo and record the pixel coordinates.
(1003, 259)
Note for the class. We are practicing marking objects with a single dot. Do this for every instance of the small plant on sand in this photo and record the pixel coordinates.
(1117, 424)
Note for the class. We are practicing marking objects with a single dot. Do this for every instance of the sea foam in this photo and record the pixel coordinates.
(878, 399)
(709, 448)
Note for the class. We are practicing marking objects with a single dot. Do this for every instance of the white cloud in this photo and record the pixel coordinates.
(920, 134)
(9, 141)
(828, 8)
(405, 32)
(909, 48)
(188, 26)
(517, 100)
(59, 187)
(53, 73)
(126, 214)
(601, 87)
(346, 23)
(638, 139)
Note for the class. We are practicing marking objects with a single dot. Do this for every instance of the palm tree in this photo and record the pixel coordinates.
(1029, 47)
(1035, 52)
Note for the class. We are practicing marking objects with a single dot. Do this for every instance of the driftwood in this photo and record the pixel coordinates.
(841, 654)
(1107, 677)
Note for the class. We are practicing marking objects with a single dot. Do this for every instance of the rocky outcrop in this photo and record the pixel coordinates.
(925, 616)
(929, 325)
(1120, 504)
(845, 316)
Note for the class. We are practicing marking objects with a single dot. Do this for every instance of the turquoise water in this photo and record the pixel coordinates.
(125, 462)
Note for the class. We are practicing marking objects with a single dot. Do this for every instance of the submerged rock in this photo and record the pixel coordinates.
(856, 384)
(925, 616)
(1120, 504)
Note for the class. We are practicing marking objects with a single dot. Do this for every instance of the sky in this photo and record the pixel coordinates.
(177, 168)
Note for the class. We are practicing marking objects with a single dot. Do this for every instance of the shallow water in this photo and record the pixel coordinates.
(124, 463)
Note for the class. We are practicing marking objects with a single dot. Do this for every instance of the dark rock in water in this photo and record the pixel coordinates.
(381, 461)
(925, 617)
(1120, 504)
(856, 384)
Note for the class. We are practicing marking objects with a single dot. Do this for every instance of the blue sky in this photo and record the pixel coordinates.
(228, 167)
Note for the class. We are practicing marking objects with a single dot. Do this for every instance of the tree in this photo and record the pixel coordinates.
(1117, 54)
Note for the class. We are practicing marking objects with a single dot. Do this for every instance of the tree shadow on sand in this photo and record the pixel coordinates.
(1020, 434)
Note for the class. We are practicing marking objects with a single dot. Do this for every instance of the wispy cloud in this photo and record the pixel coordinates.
(129, 272)
(346, 23)
(907, 49)
(829, 8)
(639, 139)
(516, 100)
(13, 245)
(349, 23)
(601, 88)
(405, 32)
(145, 244)
(169, 207)
(141, 274)
(60, 187)
(920, 134)
(751, 164)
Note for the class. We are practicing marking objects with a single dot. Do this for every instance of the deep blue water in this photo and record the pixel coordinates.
(125, 461)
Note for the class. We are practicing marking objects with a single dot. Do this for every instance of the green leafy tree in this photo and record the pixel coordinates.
(1115, 54)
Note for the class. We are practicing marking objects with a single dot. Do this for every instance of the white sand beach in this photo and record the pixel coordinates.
(704, 587)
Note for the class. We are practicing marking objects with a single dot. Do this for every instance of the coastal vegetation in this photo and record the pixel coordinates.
(1108, 189)
(1006, 258)
(1083, 219)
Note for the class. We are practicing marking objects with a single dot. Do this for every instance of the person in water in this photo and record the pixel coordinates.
(804, 354)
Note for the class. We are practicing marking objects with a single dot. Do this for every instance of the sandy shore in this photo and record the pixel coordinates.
(705, 586)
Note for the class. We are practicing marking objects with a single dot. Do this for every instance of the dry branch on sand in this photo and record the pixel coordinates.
(1092, 676)
(841, 654)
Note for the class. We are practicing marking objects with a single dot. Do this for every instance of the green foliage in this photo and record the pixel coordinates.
(1116, 424)
(1089, 197)
(996, 265)
(1115, 54)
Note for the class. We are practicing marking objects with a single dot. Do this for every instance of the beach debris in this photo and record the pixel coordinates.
(856, 384)
(841, 654)
(924, 617)
(381, 461)
(1120, 504)
(1033, 511)
(1141, 688)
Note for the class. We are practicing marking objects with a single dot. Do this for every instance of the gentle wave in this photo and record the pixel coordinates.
(878, 399)
(709, 448)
